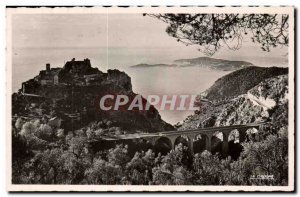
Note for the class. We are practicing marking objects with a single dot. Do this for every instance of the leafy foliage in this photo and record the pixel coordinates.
(268, 157)
(173, 169)
(210, 32)
(70, 160)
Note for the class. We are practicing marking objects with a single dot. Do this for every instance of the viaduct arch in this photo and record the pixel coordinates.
(206, 133)
(170, 138)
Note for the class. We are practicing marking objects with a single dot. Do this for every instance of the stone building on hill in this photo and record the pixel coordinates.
(78, 73)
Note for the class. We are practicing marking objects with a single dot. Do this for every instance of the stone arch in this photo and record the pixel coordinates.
(234, 135)
(185, 140)
(201, 142)
(251, 133)
(234, 148)
(163, 145)
(217, 140)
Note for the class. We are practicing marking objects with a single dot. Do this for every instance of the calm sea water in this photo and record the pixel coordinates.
(163, 81)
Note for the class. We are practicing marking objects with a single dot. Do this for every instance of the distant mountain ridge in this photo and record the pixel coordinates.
(212, 63)
(153, 65)
(205, 62)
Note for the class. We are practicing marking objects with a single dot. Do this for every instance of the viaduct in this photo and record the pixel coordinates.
(171, 137)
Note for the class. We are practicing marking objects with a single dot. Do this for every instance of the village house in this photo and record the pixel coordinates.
(91, 79)
(49, 76)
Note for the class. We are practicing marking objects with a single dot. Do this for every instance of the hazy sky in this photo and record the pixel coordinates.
(100, 30)
(130, 30)
(120, 41)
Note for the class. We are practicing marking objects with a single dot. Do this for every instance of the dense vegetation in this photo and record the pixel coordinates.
(240, 81)
(47, 153)
(44, 155)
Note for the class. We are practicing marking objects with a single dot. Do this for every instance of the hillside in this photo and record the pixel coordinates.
(242, 109)
(240, 81)
(73, 93)
(212, 63)
(273, 89)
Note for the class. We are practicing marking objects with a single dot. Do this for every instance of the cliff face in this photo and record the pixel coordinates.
(120, 79)
(75, 99)
(243, 109)
(272, 91)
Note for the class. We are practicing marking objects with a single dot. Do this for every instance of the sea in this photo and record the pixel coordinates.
(27, 62)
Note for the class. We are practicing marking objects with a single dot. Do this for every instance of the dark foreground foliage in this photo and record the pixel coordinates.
(42, 155)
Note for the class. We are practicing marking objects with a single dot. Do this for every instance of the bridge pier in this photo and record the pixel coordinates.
(208, 142)
(242, 135)
(191, 143)
(225, 147)
(191, 147)
(172, 139)
(208, 133)
(152, 140)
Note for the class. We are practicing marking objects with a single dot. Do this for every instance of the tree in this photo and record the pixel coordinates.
(118, 155)
(112, 171)
(268, 157)
(19, 123)
(45, 132)
(206, 169)
(45, 167)
(210, 32)
(73, 169)
(27, 129)
(60, 133)
(173, 169)
(139, 169)
(103, 172)
(21, 152)
(77, 146)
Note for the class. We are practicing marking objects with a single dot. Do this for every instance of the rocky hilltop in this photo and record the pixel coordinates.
(72, 93)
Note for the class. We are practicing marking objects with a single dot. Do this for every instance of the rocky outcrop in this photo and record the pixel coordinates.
(271, 92)
(265, 102)
(119, 78)
(75, 99)
(240, 111)
(243, 109)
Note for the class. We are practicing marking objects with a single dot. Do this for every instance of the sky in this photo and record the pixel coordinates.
(130, 31)
(120, 41)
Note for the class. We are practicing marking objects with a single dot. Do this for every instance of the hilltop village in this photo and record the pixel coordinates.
(68, 98)
(74, 72)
